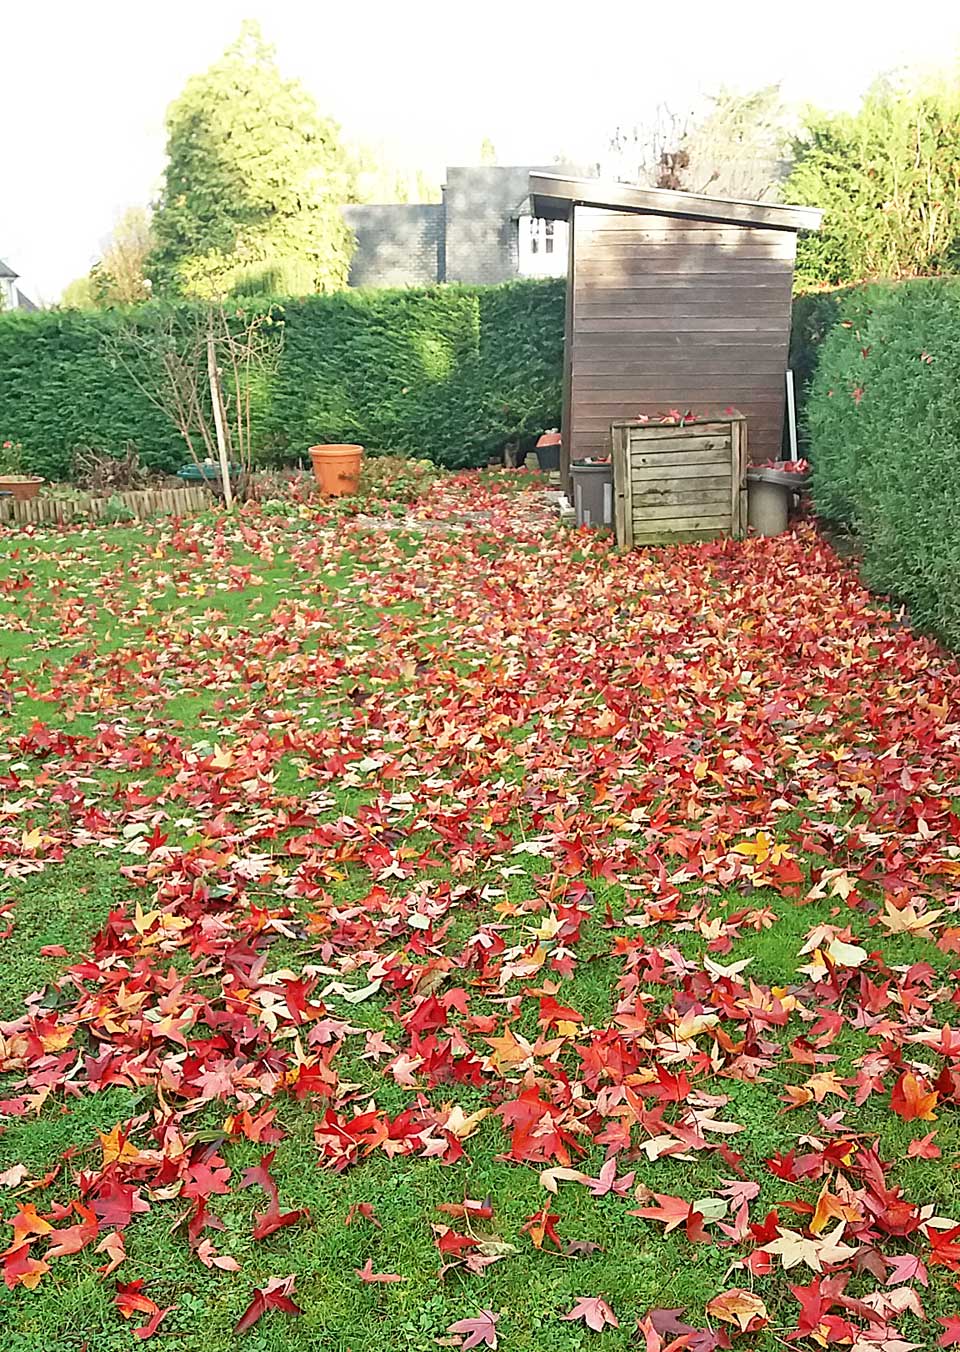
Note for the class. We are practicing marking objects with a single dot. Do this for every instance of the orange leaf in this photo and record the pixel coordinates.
(912, 1100)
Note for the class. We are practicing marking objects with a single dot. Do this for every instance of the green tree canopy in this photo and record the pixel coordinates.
(253, 183)
(888, 178)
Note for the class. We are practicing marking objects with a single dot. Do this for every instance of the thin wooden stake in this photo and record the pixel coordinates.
(218, 421)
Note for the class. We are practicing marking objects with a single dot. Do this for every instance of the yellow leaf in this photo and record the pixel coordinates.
(117, 1147)
(846, 955)
(461, 1124)
(741, 1308)
(905, 919)
(759, 847)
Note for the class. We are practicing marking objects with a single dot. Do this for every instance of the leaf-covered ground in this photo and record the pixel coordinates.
(462, 935)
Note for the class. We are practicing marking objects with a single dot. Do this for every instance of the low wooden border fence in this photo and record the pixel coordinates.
(153, 502)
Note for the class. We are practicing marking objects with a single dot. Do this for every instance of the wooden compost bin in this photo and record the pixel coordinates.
(675, 481)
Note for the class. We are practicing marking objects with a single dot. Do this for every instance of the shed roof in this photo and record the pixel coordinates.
(6, 270)
(554, 195)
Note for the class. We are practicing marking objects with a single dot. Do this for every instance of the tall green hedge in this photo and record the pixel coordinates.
(882, 415)
(449, 372)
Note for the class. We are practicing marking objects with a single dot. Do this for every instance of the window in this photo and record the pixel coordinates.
(542, 247)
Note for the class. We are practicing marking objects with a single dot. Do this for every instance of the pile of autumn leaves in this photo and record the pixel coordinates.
(653, 777)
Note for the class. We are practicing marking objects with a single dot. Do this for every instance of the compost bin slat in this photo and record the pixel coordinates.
(643, 487)
(658, 473)
(671, 518)
(687, 497)
(665, 464)
(671, 445)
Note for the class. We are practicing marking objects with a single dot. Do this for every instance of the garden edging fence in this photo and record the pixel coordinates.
(140, 506)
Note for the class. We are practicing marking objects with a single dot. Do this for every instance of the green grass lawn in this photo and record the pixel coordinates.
(666, 842)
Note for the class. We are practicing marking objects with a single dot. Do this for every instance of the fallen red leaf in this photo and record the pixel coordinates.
(595, 1313)
(480, 1329)
(367, 1274)
(274, 1296)
(130, 1300)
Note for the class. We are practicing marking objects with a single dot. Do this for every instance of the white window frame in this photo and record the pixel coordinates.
(541, 247)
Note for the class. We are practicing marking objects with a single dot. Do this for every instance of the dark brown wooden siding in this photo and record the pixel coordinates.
(672, 312)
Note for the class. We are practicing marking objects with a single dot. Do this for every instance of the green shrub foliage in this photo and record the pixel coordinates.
(883, 421)
(452, 373)
(887, 179)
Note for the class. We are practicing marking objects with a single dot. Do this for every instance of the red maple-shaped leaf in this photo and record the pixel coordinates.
(274, 1296)
(482, 1329)
(542, 1226)
(448, 1241)
(950, 1337)
(27, 1223)
(74, 1237)
(669, 1211)
(130, 1300)
(267, 1222)
(367, 1274)
(116, 1203)
(906, 1267)
(595, 1313)
(924, 1148)
(366, 1210)
(19, 1269)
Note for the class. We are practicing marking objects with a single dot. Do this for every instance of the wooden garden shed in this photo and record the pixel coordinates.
(674, 301)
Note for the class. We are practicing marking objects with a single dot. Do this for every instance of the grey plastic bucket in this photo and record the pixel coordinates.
(768, 505)
(593, 494)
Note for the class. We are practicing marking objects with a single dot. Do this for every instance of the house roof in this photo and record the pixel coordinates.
(554, 195)
(6, 270)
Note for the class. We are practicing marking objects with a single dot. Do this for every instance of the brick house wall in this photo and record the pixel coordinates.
(397, 244)
(471, 236)
(481, 209)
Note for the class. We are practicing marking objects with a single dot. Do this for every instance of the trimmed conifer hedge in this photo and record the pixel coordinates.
(451, 373)
(882, 418)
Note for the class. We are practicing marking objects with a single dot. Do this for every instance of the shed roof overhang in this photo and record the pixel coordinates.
(553, 196)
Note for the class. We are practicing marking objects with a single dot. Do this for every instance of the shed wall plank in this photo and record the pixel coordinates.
(668, 312)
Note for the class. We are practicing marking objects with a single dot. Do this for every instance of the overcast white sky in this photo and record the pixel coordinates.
(85, 85)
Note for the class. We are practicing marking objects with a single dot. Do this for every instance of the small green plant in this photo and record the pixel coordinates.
(11, 457)
(116, 511)
(395, 478)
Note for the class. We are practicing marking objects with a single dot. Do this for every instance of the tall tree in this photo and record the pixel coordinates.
(651, 152)
(253, 184)
(732, 146)
(888, 178)
(118, 278)
(739, 147)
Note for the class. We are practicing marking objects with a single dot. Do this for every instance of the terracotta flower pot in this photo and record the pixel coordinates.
(337, 469)
(22, 487)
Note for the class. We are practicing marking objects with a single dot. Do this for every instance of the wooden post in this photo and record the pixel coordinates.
(218, 420)
(792, 415)
(622, 495)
